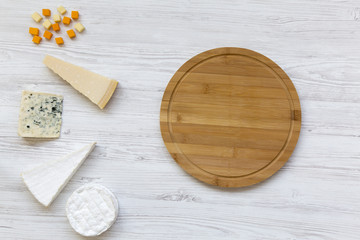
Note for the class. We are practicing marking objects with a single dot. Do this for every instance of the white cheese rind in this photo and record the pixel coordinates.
(46, 181)
(96, 87)
(92, 209)
(40, 115)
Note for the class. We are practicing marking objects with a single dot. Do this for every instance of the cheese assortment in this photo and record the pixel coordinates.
(47, 24)
(40, 115)
(45, 182)
(96, 87)
(92, 209)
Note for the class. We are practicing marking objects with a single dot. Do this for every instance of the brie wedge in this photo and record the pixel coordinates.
(45, 182)
(92, 209)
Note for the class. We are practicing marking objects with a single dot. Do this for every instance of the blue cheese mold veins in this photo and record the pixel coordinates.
(40, 115)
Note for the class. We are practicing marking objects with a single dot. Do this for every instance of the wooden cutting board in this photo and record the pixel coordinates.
(230, 117)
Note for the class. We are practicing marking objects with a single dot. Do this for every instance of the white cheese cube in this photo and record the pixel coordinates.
(79, 27)
(37, 17)
(40, 115)
(61, 10)
(47, 24)
(57, 18)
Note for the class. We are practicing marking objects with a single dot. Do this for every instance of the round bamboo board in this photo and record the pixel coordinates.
(230, 117)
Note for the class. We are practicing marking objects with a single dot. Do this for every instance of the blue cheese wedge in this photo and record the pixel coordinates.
(46, 181)
(40, 115)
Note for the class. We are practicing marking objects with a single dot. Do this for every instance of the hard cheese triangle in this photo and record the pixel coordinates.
(46, 181)
(97, 88)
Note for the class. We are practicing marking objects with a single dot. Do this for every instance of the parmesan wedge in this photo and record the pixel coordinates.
(96, 87)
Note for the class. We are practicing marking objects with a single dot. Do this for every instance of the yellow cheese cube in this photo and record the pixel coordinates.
(57, 18)
(47, 24)
(37, 17)
(61, 10)
(79, 27)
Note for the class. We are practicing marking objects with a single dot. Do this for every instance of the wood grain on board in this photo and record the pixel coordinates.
(230, 117)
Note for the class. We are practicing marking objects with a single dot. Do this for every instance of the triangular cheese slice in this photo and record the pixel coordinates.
(46, 181)
(97, 88)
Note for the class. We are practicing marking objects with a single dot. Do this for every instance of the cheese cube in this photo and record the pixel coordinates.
(74, 14)
(48, 35)
(47, 24)
(57, 18)
(56, 27)
(66, 20)
(46, 12)
(71, 33)
(79, 27)
(36, 39)
(59, 40)
(34, 31)
(40, 115)
(37, 17)
(61, 10)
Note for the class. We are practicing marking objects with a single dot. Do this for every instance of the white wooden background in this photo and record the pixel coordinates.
(141, 44)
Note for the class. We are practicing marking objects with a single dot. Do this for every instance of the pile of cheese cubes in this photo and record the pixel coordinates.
(55, 26)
